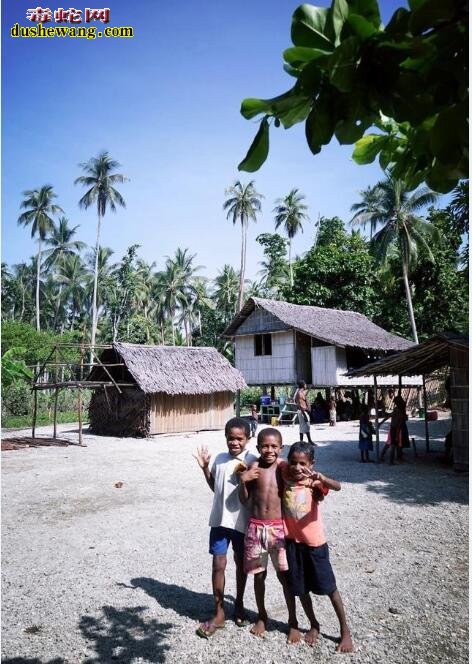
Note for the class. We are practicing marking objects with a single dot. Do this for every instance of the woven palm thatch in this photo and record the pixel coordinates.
(424, 358)
(333, 326)
(179, 369)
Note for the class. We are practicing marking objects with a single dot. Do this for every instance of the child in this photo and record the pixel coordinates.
(332, 411)
(260, 487)
(254, 420)
(307, 550)
(365, 434)
(228, 519)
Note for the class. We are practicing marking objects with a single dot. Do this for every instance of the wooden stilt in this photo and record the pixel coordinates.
(238, 403)
(56, 394)
(79, 395)
(377, 437)
(35, 410)
(426, 425)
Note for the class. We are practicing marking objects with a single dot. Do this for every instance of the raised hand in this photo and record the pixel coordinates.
(251, 474)
(202, 456)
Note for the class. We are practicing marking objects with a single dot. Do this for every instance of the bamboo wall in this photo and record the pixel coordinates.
(329, 365)
(190, 412)
(460, 407)
(276, 369)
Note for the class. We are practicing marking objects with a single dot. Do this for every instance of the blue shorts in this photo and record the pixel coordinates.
(221, 537)
(309, 569)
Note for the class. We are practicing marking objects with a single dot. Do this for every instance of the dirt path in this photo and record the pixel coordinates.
(96, 573)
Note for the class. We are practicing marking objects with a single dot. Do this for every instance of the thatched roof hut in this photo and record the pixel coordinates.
(279, 342)
(177, 388)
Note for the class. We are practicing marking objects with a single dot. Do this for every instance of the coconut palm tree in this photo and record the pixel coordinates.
(243, 204)
(39, 212)
(366, 209)
(171, 292)
(178, 292)
(224, 294)
(101, 178)
(401, 229)
(459, 207)
(62, 244)
(290, 212)
(72, 274)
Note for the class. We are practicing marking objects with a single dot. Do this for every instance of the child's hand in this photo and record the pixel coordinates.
(202, 456)
(318, 476)
(310, 474)
(251, 474)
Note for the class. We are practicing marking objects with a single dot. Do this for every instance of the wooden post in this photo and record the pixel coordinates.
(79, 395)
(399, 386)
(426, 425)
(56, 393)
(377, 438)
(35, 409)
(238, 403)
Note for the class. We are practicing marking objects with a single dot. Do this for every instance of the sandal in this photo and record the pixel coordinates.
(207, 629)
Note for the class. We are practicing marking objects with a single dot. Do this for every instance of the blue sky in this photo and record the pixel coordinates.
(165, 104)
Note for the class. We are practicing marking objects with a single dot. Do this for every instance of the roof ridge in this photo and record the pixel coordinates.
(167, 347)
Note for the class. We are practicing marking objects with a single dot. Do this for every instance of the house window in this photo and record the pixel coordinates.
(262, 344)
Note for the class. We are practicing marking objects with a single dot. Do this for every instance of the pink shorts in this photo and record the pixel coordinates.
(264, 537)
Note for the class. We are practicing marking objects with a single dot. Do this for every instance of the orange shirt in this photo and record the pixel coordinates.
(301, 512)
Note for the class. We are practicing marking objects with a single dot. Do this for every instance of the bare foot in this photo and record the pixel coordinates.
(259, 627)
(294, 635)
(345, 645)
(311, 637)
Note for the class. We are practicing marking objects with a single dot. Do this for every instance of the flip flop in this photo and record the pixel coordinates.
(241, 621)
(207, 629)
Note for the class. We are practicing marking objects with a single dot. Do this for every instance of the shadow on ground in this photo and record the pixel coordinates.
(34, 660)
(190, 604)
(424, 480)
(124, 635)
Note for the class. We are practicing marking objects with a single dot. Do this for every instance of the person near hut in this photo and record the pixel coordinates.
(253, 420)
(332, 411)
(228, 519)
(303, 412)
(366, 431)
(398, 436)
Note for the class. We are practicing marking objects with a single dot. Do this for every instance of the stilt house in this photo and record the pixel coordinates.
(278, 343)
(174, 389)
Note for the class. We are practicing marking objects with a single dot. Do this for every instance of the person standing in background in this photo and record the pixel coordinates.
(300, 398)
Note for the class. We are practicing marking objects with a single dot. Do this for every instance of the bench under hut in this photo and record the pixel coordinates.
(174, 389)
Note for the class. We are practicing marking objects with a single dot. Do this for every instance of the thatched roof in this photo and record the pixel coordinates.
(424, 358)
(334, 326)
(179, 369)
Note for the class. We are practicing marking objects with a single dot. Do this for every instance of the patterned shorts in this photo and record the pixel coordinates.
(264, 538)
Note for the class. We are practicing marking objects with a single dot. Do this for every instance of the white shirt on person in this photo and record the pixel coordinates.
(227, 510)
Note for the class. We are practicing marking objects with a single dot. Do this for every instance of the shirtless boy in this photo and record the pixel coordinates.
(260, 487)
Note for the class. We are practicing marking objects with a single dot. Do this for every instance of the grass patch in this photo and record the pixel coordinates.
(25, 421)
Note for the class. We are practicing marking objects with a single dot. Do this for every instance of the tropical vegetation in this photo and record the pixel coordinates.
(410, 276)
(407, 81)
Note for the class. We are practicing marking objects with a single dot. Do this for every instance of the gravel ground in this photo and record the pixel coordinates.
(96, 573)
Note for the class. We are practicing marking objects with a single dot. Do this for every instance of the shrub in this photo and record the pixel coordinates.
(17, 399)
